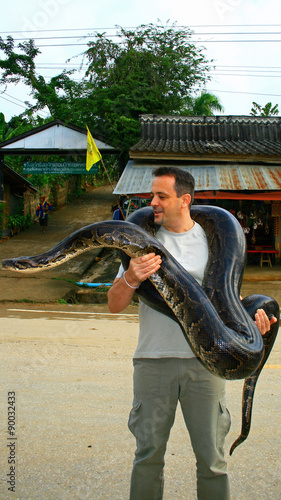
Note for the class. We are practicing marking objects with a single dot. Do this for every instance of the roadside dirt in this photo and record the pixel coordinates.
(60, 282)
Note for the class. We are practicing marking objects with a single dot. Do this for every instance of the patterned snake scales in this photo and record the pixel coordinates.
(218, 326)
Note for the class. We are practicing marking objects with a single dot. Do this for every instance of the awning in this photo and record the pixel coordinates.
(212, 181)
(238, 195)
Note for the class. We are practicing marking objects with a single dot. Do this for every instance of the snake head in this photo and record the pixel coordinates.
(19, 264)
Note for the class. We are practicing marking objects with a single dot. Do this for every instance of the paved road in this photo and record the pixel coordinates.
(70, 368)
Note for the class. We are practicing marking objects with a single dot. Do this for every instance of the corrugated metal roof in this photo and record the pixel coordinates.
(209, 136)
(137, 177)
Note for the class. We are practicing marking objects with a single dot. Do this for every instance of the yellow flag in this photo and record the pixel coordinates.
(93, 154)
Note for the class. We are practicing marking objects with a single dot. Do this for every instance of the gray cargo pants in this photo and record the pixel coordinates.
(158, 385)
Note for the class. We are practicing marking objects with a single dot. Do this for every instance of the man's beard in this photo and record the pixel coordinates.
(159, 223)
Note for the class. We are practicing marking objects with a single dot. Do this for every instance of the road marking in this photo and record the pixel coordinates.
(75, 312)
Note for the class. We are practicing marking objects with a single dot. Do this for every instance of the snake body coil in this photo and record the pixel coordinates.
(217, 325)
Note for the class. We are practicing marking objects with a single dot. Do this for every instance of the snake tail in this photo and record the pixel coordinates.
(271, 307)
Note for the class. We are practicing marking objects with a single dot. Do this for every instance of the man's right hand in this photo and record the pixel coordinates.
(122, 290)
(140, 268)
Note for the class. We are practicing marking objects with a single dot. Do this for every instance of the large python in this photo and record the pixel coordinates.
(218, 326)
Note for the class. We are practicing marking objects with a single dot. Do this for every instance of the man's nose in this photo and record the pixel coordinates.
(154, 202)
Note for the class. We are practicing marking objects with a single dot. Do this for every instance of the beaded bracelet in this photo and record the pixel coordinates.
(129, 283)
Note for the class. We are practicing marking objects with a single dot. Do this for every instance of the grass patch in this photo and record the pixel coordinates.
(26, 301)
(64, 279)
(61, 301)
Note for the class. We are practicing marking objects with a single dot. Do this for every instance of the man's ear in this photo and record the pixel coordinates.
(186, 200)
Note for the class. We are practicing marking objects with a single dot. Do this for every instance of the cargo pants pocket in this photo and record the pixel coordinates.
(133, 417)
(224, 423)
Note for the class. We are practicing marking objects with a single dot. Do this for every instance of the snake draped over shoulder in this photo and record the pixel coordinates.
(218, 326)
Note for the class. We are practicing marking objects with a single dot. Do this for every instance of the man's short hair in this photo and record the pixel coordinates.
(184, 181)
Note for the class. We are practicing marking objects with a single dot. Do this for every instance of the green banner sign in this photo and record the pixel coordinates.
(57, 168)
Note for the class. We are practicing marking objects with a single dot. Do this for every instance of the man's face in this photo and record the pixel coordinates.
(167, 207)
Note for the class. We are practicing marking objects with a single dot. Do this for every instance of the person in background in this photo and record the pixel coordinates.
(42, 212)
(118, 215)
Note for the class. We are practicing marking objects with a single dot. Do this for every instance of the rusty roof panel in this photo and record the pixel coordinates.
(137, 177)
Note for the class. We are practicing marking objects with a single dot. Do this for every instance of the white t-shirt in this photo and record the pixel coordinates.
(159, 335)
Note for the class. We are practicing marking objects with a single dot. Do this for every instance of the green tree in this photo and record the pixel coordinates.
(267, 110)
(204, 104)
(59, 95)
(152, 69)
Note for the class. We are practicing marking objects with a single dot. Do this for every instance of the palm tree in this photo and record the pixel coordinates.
(204, 104)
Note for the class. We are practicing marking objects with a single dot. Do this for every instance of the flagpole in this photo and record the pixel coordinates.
(92, 143)
(112, 187)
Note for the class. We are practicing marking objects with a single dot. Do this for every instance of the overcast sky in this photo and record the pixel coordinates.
(243, 37)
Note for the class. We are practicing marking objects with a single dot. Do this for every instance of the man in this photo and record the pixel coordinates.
(42, 212)
(165, 369)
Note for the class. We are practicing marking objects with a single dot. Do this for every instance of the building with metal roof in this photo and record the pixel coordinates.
(209, 137)
(235, 160)
(229, 156)
(52, 138)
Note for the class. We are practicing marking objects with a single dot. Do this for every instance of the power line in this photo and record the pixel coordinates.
(245, 74)
(111, 36)
(194, 41)
(235, 41)
(16, 99)
(67, 29)
(245, 93)
(21, 105)
(269, 69)
(5, 99)
(103, 30)
(59, 65)
(258, 69)
(135, 27)
(211, 90)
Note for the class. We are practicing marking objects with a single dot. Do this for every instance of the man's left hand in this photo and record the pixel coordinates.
(263, 322)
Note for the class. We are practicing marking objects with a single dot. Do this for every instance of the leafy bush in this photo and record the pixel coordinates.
(18, 222)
